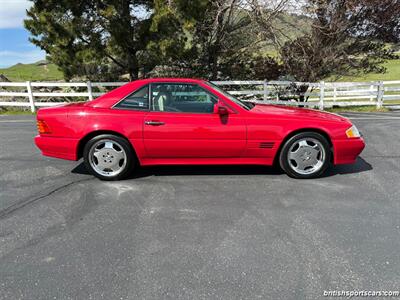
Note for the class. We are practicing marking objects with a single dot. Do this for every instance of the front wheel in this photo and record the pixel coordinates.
(305, 155)
(108, 157)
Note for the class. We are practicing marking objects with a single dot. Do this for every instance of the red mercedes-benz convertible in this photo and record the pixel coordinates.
(185, 121)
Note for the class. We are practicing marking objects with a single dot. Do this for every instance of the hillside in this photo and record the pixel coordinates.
(39, 71)
(392, 73)
(42, 72)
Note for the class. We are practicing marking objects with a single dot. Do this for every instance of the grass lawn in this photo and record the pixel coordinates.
(392, 73)
(357, 109)
(16, 111)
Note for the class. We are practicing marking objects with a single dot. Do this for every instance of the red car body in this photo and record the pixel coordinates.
(251, 136)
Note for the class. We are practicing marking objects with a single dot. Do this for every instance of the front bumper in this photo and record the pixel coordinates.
(346, 151)
(64, 148)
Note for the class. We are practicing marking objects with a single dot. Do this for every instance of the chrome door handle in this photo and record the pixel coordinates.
(154, 123)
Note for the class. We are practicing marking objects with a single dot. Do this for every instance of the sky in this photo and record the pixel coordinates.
(14, 38)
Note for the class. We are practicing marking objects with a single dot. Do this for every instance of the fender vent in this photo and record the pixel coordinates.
(267, 145)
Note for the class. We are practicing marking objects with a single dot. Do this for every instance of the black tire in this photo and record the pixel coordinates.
(117, 142)
(287, 164)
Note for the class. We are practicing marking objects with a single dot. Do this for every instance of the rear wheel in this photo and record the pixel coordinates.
(108, 157)
(305, 155)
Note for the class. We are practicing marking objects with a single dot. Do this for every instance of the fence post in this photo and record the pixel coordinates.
(334, 93)
(379, 100)
(30, 95)
(321, 95)
(265, 90)
(371, 88)
(89, 88)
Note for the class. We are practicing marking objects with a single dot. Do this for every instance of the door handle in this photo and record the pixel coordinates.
(154, 123)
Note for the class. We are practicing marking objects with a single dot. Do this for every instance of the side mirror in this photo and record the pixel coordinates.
(221, 110)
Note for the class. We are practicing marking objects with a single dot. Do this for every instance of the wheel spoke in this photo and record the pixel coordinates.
(312, 162)
(301, 165)
(313, 153)
(303, 143)
(316, 147)
(294, 155)
(96, 153)
(118, 155)
(115, 167)
(101, 165)
(109, 145)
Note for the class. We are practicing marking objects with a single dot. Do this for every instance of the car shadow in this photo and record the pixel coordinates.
(211, 170)
(359, 166)
(178, 170)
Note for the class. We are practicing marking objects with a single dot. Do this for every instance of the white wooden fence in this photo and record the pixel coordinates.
(320, 95)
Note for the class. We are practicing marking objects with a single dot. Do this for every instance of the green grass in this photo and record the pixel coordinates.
(33, 72)
(392, 73)
(15, 111)
(357, 109)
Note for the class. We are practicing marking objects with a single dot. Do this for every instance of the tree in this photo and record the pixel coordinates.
(252, 67)
(172, 48)
(96, 39)
(220, 40)
(206, 34)
(102, 40)
(346, 37)
(219, 36)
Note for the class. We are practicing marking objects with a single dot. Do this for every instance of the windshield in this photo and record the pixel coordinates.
(245, 105)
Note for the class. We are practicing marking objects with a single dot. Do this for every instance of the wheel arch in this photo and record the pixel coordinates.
(301, 130)
(92, 134)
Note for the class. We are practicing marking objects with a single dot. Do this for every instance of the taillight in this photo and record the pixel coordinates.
(42, 127)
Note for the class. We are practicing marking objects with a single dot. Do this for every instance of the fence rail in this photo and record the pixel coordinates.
(320, 95)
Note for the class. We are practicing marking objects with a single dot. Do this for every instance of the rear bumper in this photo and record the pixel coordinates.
(346, 151)
(64, 148)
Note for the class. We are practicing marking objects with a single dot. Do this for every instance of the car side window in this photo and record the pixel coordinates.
(177, 97)
(137, 100)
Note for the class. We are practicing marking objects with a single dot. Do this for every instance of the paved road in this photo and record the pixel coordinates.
(198, 232)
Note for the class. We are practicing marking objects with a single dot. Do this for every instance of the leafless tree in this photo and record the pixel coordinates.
(229, 32)
(344, 36)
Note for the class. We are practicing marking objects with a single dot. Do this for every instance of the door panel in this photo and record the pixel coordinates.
(194, 135)
(182, 124)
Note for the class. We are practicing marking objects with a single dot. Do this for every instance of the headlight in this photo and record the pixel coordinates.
(353, 132)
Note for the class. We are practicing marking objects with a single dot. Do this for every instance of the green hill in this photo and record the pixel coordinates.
(39, 71)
